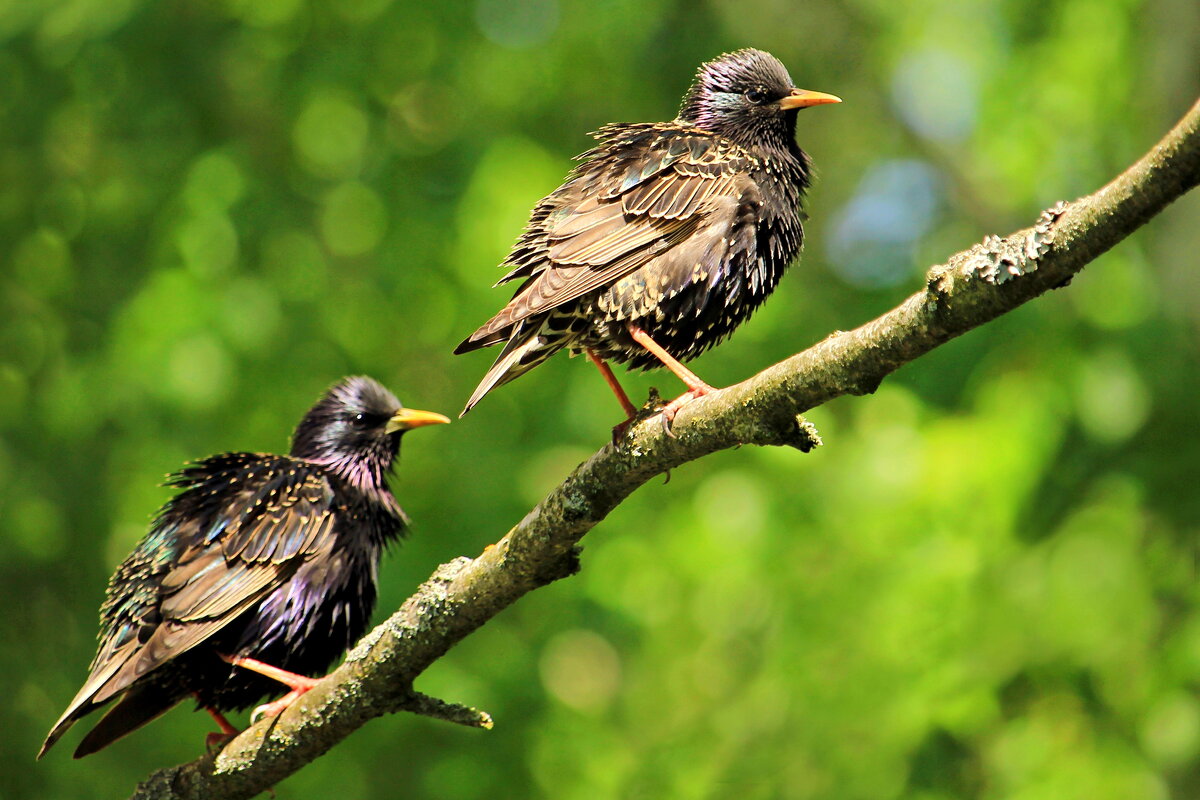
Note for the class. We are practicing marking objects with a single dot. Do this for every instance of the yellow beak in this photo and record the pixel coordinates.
(409, 418)
(803, 98)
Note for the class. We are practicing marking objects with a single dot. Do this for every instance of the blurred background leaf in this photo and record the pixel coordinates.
(983, 587)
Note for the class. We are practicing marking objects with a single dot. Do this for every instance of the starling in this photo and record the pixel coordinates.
(665, 237)
(261, 571)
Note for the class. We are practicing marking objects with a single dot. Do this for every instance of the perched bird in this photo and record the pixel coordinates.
(665, 237)
(261, 571)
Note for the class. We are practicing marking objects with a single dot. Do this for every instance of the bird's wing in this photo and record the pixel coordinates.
(251, 545)
(243, 526)
(644, 191)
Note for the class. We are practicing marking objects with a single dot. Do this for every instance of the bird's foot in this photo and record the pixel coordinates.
(227, 732)
(672, 408)
(652, 405)
(299, 684)
(277, 707)
(217, 739)
(618, 431)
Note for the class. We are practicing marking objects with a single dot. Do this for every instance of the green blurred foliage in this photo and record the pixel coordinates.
(983, 586)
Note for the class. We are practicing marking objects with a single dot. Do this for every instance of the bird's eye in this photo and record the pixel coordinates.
(359, 420)
(758, 95)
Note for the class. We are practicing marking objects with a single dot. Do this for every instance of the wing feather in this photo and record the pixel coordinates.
(241, 528)
(639, 194)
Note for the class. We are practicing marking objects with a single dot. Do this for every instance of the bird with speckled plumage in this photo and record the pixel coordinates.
(261, 571)
(665, 237)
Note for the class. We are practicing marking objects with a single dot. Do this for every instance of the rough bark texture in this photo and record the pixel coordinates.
(970, 289)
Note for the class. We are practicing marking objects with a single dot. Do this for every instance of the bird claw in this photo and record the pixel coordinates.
(672, 408)
(265, 710)
(667, 419)
(299, 684)
(277, 707)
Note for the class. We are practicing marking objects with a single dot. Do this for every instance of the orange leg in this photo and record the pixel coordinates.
(613, 383)
(228, 731)
(299, 684)
(696, 387)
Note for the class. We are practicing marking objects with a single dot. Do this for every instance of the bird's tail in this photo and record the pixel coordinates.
(140, 705)
(112, 673)
(528, 347)
(85, 702)
(61, 727)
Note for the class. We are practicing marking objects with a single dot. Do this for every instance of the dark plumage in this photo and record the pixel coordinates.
(670, 233)
(263, 557)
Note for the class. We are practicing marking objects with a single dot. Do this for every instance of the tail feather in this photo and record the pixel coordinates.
(85, 701)
(482, 338)
(497, 329)
(62, 726)
(524, 351)
(137, 707)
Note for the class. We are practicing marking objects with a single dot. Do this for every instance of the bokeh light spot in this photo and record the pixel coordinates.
(265, 13)
(1171, 730)
(360, 11)
(42, 262)
(63, 207)
(1111, 399)
(251, 315)
(581, 669)
(353, 219)
(517, 23)
(214, 183)
(1117, 291)
(546, 470)
(208, 244)
(935, 93)
(875, 234)
(14, 388)
(732, 506)
(330, 135)
(295, 264)
(36, 525)
(199, 372)
(508, 180)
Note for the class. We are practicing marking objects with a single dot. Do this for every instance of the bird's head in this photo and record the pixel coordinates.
(748, 96)
(355, 429)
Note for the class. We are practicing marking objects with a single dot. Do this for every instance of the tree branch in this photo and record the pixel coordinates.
(970, 289)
